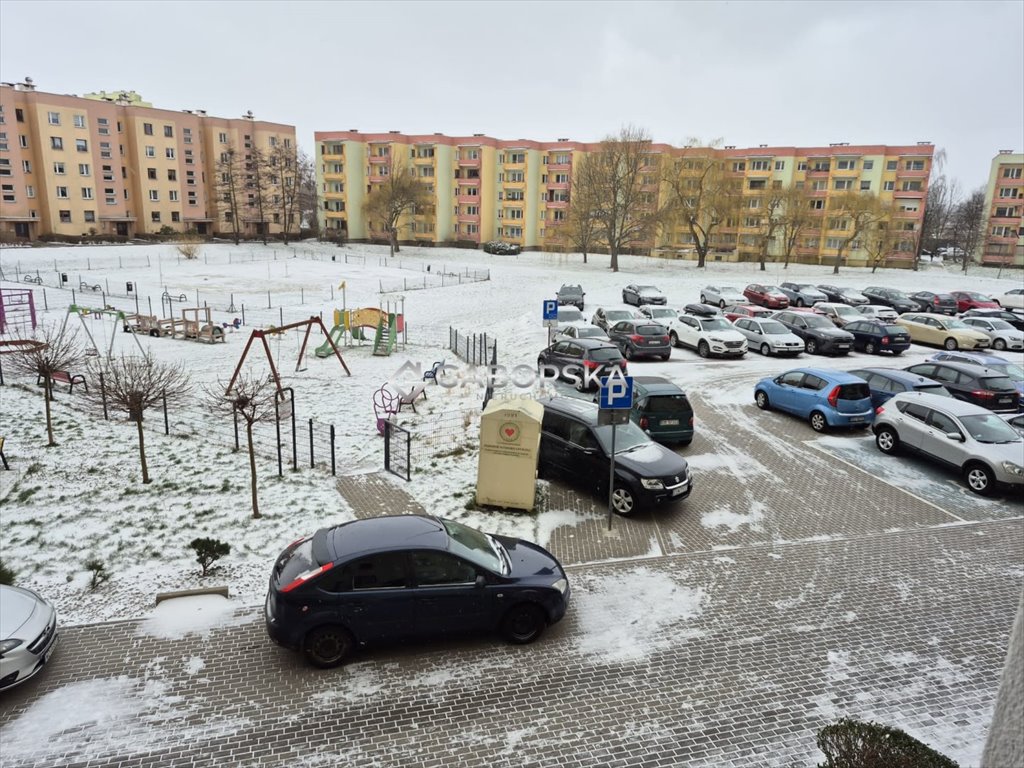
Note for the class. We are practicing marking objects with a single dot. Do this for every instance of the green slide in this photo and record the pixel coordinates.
(337, 334)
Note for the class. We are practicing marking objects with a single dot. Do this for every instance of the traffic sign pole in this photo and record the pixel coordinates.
(611, 481)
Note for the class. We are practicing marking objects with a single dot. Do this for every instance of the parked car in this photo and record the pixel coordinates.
(408, 576)
(1013, 318)
(575, 359)
(502, 248)
(874, 336)
(1016, 421)
(642, 294)
(975, 384)
(769, 337)
(709, 336)
(802, 294)
(766, 295)
(825, 398)
(605, 318)
(886, 382)
(878, 312)
(28, 634)
(571, 295)
(839, 314)
(569, 316)
(583, 332)
(574, 446)
(945, 332)
(702, 310)
(662, 410)
(939, 303)
(1012, 299)
(890, 297)
(1011, 370)
(720, 295)
(844, 295)
(982, 447)
(734, 311)
(820, 336)
(641, 338)
(658, 314)
(950, 252)
(966, 300)
(1000, 333)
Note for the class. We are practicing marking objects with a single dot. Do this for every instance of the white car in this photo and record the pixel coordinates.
(769, 337)
(28, 634)
(582, 332)
(878, 312)
(568, 316)
(720, 295)
(710, 336)
(1012, 299)
(1002, 334)
(662, 315)
(839, 314)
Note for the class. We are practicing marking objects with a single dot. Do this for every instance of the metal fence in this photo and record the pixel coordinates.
(397, 450)
(433, 280)
(474, 348)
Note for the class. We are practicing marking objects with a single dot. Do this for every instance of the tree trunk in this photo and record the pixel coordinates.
(702, 255)
(764, 255)
(839, 259)
(394, 241)
(615, 258)
(252, 470)
(584, 255)
(47, 397)
(142, 450)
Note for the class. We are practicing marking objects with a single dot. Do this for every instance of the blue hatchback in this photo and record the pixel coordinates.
(886, 382)
(825, 398)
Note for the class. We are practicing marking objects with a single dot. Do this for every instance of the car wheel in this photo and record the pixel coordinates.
(818, 421)
(623, 500)
(523, 623)
(666, 357)
(703, 349)
(887, 440)
(673, 339)
(761, 398)
(628, 353)
(703, 299)
(799, 302)
(869, 347)
(812, 347)
(580, 385)
(999, 344)
(950, 343)
(721, 303)
(765, 350)
(897, 352)
(327, 647)
(980, 479)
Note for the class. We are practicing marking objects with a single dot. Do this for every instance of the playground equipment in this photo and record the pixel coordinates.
(17, 310)
(262, 336)
(118, 316)
(386, 323)
(199, 328)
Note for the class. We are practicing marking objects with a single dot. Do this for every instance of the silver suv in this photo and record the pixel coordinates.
(969, 438)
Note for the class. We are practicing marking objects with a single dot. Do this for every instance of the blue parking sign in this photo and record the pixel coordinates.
(617, 392)
(550, 309)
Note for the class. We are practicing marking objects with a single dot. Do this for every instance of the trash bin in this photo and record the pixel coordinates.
(509, 448)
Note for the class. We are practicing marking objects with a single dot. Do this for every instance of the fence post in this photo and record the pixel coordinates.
(103, 396)
(387, 444)
(268, 300)
(167, 425)
(312, 464)
(234, 414)
(333, 470)
(277, 427)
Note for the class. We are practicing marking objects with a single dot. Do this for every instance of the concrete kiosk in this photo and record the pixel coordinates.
(509, 447)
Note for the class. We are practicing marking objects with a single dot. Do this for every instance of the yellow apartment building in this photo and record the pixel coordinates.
(113, 164)
(519, 190)
(1004, 207)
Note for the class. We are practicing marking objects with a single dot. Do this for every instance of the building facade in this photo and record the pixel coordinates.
(1004, 209)
(110, 164)
(518, 191)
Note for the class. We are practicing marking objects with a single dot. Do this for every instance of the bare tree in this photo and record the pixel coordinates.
(942, 199)
(134, 384)
(883, 238)
(258, 188)
(59, 350)
(581, 226)
(853, 213)
(397, 196)
(252, 399)
(286, 178)
(969, 224)
(796, 218)
(307, 197)
(620, 181)
(772, 205)
(230, 183)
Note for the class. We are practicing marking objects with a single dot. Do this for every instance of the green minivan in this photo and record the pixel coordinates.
(662, 410)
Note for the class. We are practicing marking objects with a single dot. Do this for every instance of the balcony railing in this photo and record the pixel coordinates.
(909, 193)
(906, 214)
(468, 182)
(469, 162)
(905, 174)
(469, 218)
(557, 203)
(467, 198)
(380, 159)
(996, 219)
(559, 166)
(558, 185)
(817, 171)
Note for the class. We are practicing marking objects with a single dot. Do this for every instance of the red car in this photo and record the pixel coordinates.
(970, 300)
(766, 295)
(735, 311)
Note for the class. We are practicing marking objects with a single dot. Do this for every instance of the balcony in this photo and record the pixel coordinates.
(917, 193)
(467, 199)
(557, 203)
(332, 158)
(1008, 220)
(468, 182)
(377, 178)
(906, 214)
(903, 174)
(817, 192)
(558, 185)
(469, 162)
(559, 166)
(818, 172)
(379, 159)
(469, 218)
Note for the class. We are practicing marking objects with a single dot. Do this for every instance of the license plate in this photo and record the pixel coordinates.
(653, 341)
(842, 346)
(670, 422)
(856, 419)
(679, 491)
(1005, 400)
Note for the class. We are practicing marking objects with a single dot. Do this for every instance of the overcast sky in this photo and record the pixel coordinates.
(801, 73)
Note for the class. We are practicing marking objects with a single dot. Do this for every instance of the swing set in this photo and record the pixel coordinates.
(120, 319)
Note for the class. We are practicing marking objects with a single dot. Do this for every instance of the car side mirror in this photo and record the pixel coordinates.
(481, 582)
(955, 436)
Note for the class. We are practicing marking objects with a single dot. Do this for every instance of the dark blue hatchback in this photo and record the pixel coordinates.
(886, 382)
(407, 577)
(874, 336)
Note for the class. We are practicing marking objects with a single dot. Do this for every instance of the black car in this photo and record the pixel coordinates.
(1013, 318)
(976, 384)
(573, 446)
(702, 310)
(841, 295)
(874, 336)
(642, 294)
(406, 577)
(582, 362)
(890, 297)
(571, 295)
(939, 303)
(820, 336)
(641, 338)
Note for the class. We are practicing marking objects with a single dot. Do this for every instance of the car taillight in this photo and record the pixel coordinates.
(591, 364)
(879, 410)
(636, 338)
(833, 396)
(302, 578)
(885, 339)
(984, 394)
(644, 422)
(936, 300)
(666, 339)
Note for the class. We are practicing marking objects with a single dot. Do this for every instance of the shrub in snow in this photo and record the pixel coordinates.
(99, 572)
(853, 744)
(207, 551)
(6, 574)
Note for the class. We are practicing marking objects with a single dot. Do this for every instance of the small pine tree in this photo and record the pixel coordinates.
(99, 572)
(854, 744)
(6, 574)
(207, 551)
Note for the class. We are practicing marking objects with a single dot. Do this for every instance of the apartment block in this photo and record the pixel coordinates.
(519, 191)
(1004, 207)
(113, 164)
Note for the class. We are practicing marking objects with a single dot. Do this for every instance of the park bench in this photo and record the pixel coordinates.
(84, 286)
(409, 398)
(435, 369)
(63, 377)
(3, 458)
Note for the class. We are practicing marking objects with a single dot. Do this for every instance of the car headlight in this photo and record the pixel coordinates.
(652, 485)
(717, 340)
(1013, 469)
(561, 585)
(9, 645)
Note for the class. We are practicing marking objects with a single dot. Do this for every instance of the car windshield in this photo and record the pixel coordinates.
(662, 312)
(1001, 325)
(569, 313)
(897, 329)
(650, 330)
(616, 315)
(627, 437)
(648, 289)
(604, 354)
(989, 428)
(716, 324)
(476, 547)
(774, 328)
(817, 321)
(894, 294)
(959, 324)
(589, 332)
(1012, 372)
(996, 383)
(978, 296)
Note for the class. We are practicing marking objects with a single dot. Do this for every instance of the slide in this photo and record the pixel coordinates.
(337, 336)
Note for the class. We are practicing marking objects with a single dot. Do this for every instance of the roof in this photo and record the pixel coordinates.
(948, 405)
(579, 408)
(975, 369)
(829, 374)
(658, 385)
(592, 343)
(904, 377)
(393, 532)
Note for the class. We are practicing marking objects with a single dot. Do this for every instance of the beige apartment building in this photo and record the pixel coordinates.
(518, 191)
(112, 164)
(1004, 210)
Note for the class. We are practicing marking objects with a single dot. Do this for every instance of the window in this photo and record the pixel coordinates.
(109, 197)
(757, 184)
(834, 243)
(108, 173)
(8, 192)
(3, 142)
(19, 114)
(151, 173)
(759, 165)
(169, 153)
(169, 131)
(801, 166)
(186, 135)
(65, 217)
(518, 176)
(739, 166)
(172, 175)
(83, 169)
(911, 186)
(869, 165)
(780, 165)
(81, 145)
(173, 195)
(1011, 173)
(192, 199)
(816, 205)
(155, 217)
(846, 165)
(105, 149)
(5, 167)
(87, 193)
(30, 191)
(154, 195)
(843, 184)
(287, 143)
(56, 142)
(1004, 232)
(751, 221)
(822, 166)
(914, 165)
(58, 168)
(90, 216)
(560, 178)
(888, 186)
(222, 138)
(147, 128)
(53, 118)
(440, 568)
(62, 192)
(819, 185)
(865, 186)
(891, 165)
(1008, 192)
(26, 166)
(23, 141)
(150, 151)
(175, 216)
